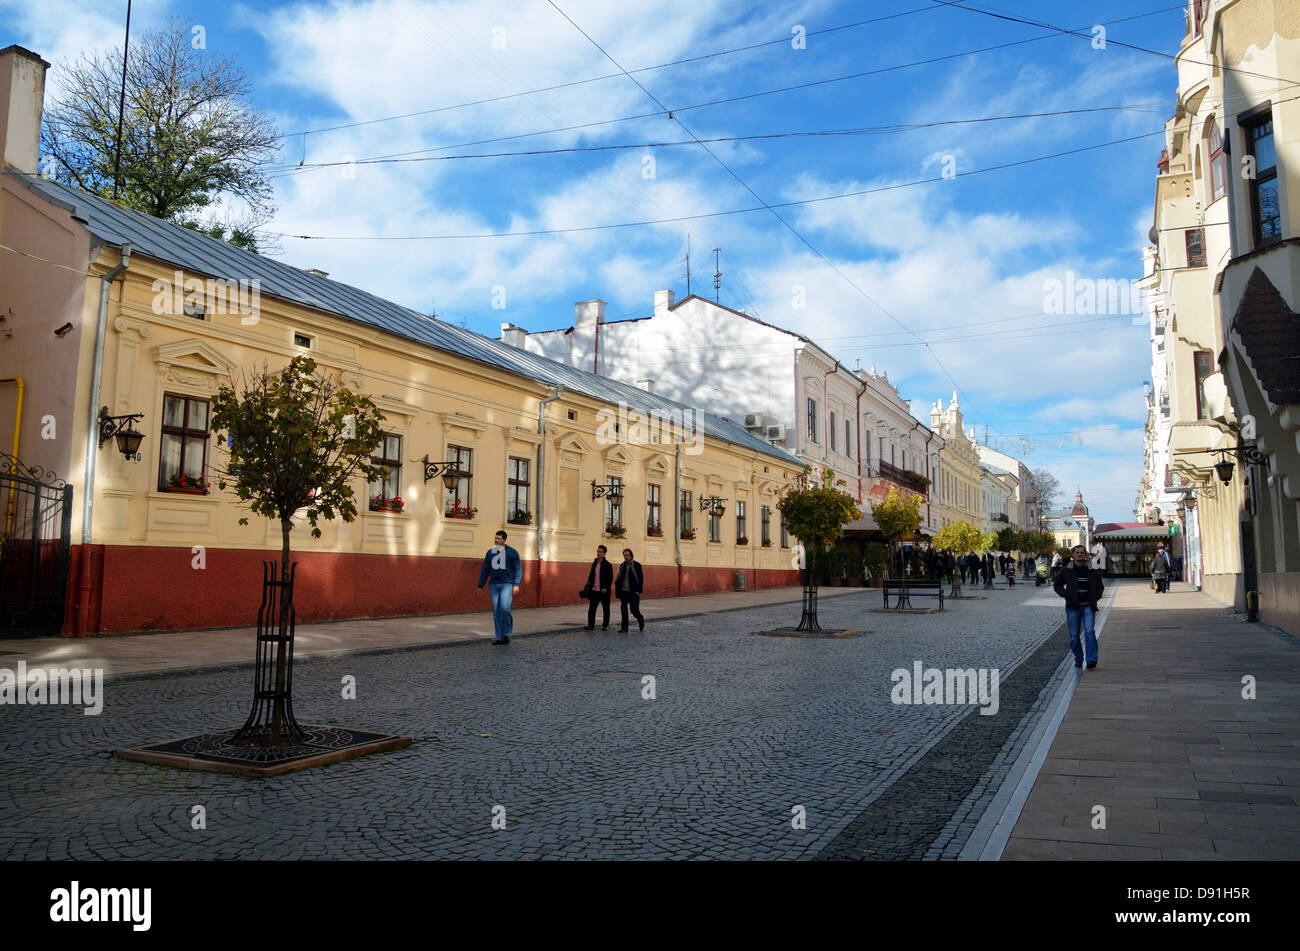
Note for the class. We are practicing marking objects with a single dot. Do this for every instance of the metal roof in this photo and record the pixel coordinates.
(151, 237)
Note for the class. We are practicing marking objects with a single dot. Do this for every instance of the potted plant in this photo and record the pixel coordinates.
(615, 530)
(742, 540)
(654, 531)
(767, 543)
(688, 534)
(189, 485)
(380, 504)
(521, 518)
(459, 510)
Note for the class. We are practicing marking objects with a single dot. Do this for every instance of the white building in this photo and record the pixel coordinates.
(773, 381)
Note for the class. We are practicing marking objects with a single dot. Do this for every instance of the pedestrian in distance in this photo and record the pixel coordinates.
(627, 588)
(1160, 568)
(501, 572)
(600, 581)
(1081, 586)
(1056, 564)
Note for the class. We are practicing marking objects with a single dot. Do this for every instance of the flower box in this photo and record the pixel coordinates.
(381, 504)
(742, 540)
(462, 512)
(767, 543)
(654, 531)
(187, 484)
(688, 534)
(615, 531)
(521, 518)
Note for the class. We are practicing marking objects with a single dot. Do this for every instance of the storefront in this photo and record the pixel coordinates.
(1130, 551)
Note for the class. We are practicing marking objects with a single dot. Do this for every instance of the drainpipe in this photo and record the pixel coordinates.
(541, 485)
(92, 443)
(18, 425)
(677, 498)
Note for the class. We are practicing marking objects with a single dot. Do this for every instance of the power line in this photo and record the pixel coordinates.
(866, 130)
(665, 111)
(718, 214)
(1080, 34)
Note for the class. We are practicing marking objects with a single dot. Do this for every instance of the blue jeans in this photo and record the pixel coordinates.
(1087, 615)
(502, 596)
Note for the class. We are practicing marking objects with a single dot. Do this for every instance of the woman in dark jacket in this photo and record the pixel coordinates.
(627, 588)
(599, 581)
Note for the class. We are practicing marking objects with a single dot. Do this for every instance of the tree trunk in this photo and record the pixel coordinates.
(281, 649)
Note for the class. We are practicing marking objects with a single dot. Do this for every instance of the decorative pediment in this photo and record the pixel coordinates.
(658, 465)
(572, 442)
(617, 457)
(352, 380)
(192, 362)
(395, 410)
(524, 436)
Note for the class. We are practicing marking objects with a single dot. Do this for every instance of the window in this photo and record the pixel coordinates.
(742, 535)
(458, 496)
(572, 415)
(848, 443)
(785, 536)
(614, 506)
(183, 455)
(715, 527)
(1218, 162)
(1263, 186)
(1204, 367)
(301, 340)
(832, 429)
(684, 507)
(653, 510)
(1195, 247)
(812, 420)
(866, 450)
(388, 486)
(517, 491)
(765, 524)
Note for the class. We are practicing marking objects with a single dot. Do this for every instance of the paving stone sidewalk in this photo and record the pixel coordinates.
(1162, 738)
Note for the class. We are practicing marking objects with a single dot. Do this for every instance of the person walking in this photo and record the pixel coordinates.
(501, 572)
(1081, 586)
(627, 588)
(599, 582)
(1160, 568)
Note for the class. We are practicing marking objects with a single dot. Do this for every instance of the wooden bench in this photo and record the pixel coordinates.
(914, 589)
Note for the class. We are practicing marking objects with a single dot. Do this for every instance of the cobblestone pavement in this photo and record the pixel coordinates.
(743, 735)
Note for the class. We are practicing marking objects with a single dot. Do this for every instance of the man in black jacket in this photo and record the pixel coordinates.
(627, 588)
(600, 580)
(1080, 585)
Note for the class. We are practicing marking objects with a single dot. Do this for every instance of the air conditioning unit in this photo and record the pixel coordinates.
(776, 433)
(753, 420)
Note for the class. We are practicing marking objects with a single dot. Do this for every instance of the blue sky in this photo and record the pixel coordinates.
(962, 262)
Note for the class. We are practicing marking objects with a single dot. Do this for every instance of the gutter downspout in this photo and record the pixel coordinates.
(541, 485)
(677, 521)
(92, 443)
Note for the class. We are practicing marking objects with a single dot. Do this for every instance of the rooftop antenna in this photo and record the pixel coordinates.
(688, 264)
(717, 271)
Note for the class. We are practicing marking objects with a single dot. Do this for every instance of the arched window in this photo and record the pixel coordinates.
(1218, 163)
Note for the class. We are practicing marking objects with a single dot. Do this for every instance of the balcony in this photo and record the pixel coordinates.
(908, 480)
(1001, 517)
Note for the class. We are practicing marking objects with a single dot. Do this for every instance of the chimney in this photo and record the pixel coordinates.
(22, 99)
(663, 301)
(647, 385)
(588, 312)
(514, 336)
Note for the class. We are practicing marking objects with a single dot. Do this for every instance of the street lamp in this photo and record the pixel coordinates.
(450, 471)
(713, 505)
(121, 428)
(611, 490)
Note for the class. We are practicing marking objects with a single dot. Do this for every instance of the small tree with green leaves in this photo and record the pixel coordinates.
(959, 537)
(897, 517)
(1008, 540)
(816, 515)
(296, 441)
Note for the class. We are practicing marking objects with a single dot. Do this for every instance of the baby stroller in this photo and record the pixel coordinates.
(1040, 576)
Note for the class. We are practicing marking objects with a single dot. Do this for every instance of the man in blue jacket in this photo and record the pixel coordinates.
(502, 571)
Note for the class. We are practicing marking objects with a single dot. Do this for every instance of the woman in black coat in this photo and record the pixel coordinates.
(627, 588)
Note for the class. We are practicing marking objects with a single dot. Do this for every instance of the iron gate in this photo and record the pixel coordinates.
(34, 549)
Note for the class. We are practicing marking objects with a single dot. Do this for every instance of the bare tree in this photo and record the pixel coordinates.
(189, 133)
(1046, 488)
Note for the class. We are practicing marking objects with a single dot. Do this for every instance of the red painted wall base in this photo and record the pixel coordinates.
(137, 588)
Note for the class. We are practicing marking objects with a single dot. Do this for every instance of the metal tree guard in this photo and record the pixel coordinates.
(808, 622)
(263, 727)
